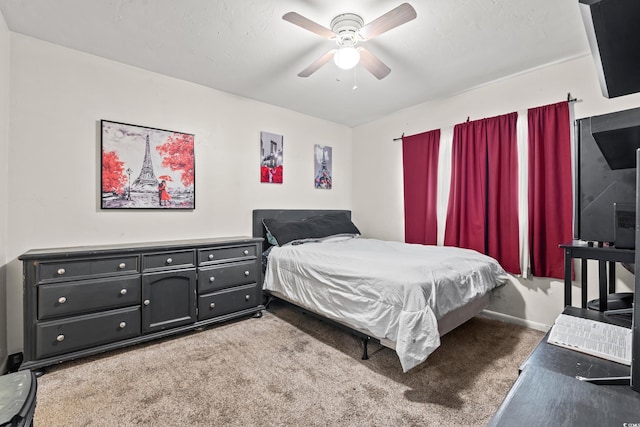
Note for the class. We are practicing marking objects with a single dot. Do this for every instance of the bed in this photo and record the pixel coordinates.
(404, 296)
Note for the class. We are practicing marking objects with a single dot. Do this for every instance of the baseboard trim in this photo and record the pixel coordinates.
(515, 320)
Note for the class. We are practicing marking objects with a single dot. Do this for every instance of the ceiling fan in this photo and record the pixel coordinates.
(347, 30)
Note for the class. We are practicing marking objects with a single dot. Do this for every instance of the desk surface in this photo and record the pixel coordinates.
(572, 363)
(580, 249)
(541, 397)
(547, 392)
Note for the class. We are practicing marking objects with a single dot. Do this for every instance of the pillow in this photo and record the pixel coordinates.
(272, 240)
(338, 238)
(309, 229)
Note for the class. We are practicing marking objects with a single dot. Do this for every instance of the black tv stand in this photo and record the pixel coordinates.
(615, 301)
(607, 257)
(619, 311)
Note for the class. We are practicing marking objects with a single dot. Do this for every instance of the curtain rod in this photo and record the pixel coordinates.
(569, 99)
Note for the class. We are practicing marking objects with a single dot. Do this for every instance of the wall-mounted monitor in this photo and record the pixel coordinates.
(614, 36)
(635, 323)
(606, 176)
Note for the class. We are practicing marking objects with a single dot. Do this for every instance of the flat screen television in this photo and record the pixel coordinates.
(606, 177)
(612, 32)
(635, 343)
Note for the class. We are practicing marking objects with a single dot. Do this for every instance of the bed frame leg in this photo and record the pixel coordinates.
(365, 354)
(268, 301)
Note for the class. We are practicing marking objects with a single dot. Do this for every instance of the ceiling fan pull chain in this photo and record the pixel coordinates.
(355, 78)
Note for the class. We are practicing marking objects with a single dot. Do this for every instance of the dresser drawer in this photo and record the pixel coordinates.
(75, 333)
(87, 296)
(228, 300)
(176, 259)
(224, 276)
(74, 269)
(236, 253)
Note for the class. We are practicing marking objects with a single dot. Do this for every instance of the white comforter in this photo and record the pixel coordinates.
(390, 290)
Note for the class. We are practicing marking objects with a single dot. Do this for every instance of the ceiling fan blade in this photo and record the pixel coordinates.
(395, 17)
(315, 65)
(308, 24)
(373, 64)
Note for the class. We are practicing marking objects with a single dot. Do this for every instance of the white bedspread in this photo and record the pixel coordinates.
(390, 290)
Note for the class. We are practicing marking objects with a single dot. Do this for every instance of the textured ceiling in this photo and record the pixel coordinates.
(245, 48)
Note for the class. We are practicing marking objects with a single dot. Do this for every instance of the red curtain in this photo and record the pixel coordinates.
(466, 213)
(550, 193)
(420, 167)
(483, 201)
(502, 201)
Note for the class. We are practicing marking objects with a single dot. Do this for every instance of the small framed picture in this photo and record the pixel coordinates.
(322, 169)
(146, 168)
(271, 155)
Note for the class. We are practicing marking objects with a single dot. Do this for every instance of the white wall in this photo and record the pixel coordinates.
(58, 97)
(377, 165)
(4, 177)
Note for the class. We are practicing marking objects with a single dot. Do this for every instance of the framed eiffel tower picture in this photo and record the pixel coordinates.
(146, 168)
(322, 160)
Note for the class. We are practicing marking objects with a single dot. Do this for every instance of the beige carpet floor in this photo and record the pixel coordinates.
(286, 369)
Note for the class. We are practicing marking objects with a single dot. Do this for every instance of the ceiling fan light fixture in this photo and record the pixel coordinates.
(347, 30)
(346, 57)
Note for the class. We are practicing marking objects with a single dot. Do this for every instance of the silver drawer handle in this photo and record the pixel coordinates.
(247, 297)
(169, 260)
(60, 338)
(146, 302)
(246, 252)
(211, 256)
(122, 325)
(212, 305)
(246, 273)
(122, 265)
(123, 291)
(62, 300)
(211, 279)
(61, 271)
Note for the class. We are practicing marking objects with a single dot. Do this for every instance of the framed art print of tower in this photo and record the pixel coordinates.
(146, 168)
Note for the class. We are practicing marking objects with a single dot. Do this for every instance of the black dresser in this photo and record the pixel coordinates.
(85, 300)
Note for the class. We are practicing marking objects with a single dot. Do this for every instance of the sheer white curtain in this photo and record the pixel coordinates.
(444, 179)
(522, 130)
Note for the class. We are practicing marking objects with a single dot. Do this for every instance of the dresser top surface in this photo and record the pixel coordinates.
(135, 247)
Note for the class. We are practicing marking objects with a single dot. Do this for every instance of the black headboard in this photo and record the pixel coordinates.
(285, 215)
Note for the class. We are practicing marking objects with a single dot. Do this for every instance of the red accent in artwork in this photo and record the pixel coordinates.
(178, 155)
(113, 177)
(273, 175)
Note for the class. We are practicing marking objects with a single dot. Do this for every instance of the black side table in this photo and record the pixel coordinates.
(604, 255)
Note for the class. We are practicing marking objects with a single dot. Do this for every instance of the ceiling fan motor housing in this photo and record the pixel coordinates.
(346, 27)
